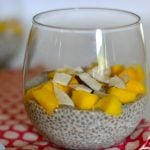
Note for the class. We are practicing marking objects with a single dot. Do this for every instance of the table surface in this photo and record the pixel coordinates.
(17, 132)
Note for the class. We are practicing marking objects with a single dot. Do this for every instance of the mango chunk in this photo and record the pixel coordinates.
(47, 100)
(44, 95)
(129, 72)
(51, 74)
(15, 26)
(135, 86)
(117, 69)
(124, 95)
(73, 81)
(66, 89)
(29, 93)
(110, 104)
(84, 100)
(2, 26)
(11, 25)
(48, 86)
(140, 72)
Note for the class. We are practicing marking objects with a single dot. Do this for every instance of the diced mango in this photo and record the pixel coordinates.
(135, 72)
(48, 86)
(29, 95)
(110, 104)
(117, 69)
(11, 25)
(46, 99)
(2, 26)
(44, 95)
(73, 81)
(51, 74)
(29, 92)
(84, 100)
(66, 89)
(14, 26)
(124, 95)
(140, 72)
(135, 86)
(130, 71)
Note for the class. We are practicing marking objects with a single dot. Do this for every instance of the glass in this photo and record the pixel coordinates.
(88, 90)
(11, 30)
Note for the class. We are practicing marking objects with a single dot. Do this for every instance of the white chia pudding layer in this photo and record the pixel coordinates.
(80, 129)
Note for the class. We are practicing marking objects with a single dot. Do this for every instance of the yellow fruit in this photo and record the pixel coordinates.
(44, 95)
(46, 99)
(11, 25)
(66, 89)
(2, 26)
(51, 74)
(15, 27)
(140, 72)
(110, 104)
(47, 86)
(73, 81)
(129, 72)
(124, 95)
(29, 95)
(117, 69)
(84, 100)
(135, 86)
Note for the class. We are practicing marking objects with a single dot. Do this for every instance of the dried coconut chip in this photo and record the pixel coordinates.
(75, 70)
(100, 93)
(81, 87)
(116, 82)
(36, 81)
(62, 78)
(102, 76)
(78, 69)
(92, 83)
(62, 97)
(105, 71)
(71, 70)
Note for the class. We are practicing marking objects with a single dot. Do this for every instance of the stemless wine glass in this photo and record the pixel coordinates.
(88, 90)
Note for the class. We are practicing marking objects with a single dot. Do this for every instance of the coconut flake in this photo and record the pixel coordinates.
(62, 97)
(78, 69)
(62, 78)
(116, 82)
(100, 75)
(100, 93)
(74, 70)
(81, 87)
(92, 83)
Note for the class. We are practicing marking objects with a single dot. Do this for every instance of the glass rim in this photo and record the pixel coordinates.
(40, 24)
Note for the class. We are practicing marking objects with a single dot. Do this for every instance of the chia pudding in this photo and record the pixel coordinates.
(76, 127)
